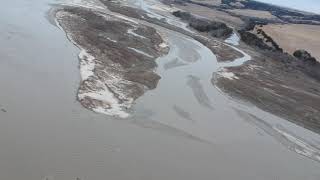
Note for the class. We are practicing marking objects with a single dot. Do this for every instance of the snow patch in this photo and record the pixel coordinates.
(87, 64)
(226, 74)
(131, 31)
(125, 18)
(104, 100)
(253, 67)
(157, 10)
(111, 40)
(140, 52)
(108, 103)
(233, 39)
(163, 45)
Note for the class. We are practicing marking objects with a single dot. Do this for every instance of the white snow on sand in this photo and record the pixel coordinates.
(163, 45)
(106, 101)
(131, 31)
(112, 40)
(125, 18)
(234, 39)
(87, 65)
(109, 104)
(103, 89)
(156, 9)
(140, 52)
(226, 74)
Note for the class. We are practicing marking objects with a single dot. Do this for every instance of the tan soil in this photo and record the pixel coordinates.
(253, 13)
(209, 2)
(291, 37)
(211, 14)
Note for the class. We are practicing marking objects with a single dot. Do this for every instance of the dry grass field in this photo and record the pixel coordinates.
(211, 14)
(253, 13)
(210, 2)
(296, 36)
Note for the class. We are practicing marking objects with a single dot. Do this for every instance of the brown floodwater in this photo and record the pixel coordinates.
(185, 129)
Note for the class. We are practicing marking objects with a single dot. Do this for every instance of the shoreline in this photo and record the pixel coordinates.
(108, 98)
(88, 99)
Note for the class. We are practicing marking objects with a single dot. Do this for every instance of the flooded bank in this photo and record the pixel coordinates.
(184, 129)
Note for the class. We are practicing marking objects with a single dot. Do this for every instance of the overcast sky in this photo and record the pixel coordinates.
(306, 5)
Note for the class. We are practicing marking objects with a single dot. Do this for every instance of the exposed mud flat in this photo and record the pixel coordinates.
(116, 59)
(224, 52)
(276, 86)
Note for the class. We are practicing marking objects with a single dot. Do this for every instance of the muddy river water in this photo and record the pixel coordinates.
(184, 129)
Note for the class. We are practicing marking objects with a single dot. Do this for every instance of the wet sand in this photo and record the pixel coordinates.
(46, 134)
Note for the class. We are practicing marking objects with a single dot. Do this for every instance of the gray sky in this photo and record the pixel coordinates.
(306, 5)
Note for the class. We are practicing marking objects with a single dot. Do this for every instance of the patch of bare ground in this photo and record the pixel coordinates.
(277, 86)
(211, 14)
(115, 6)
(253, 13)
(291, 37)
(116, 60)
(222, 51)
(209, 2)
